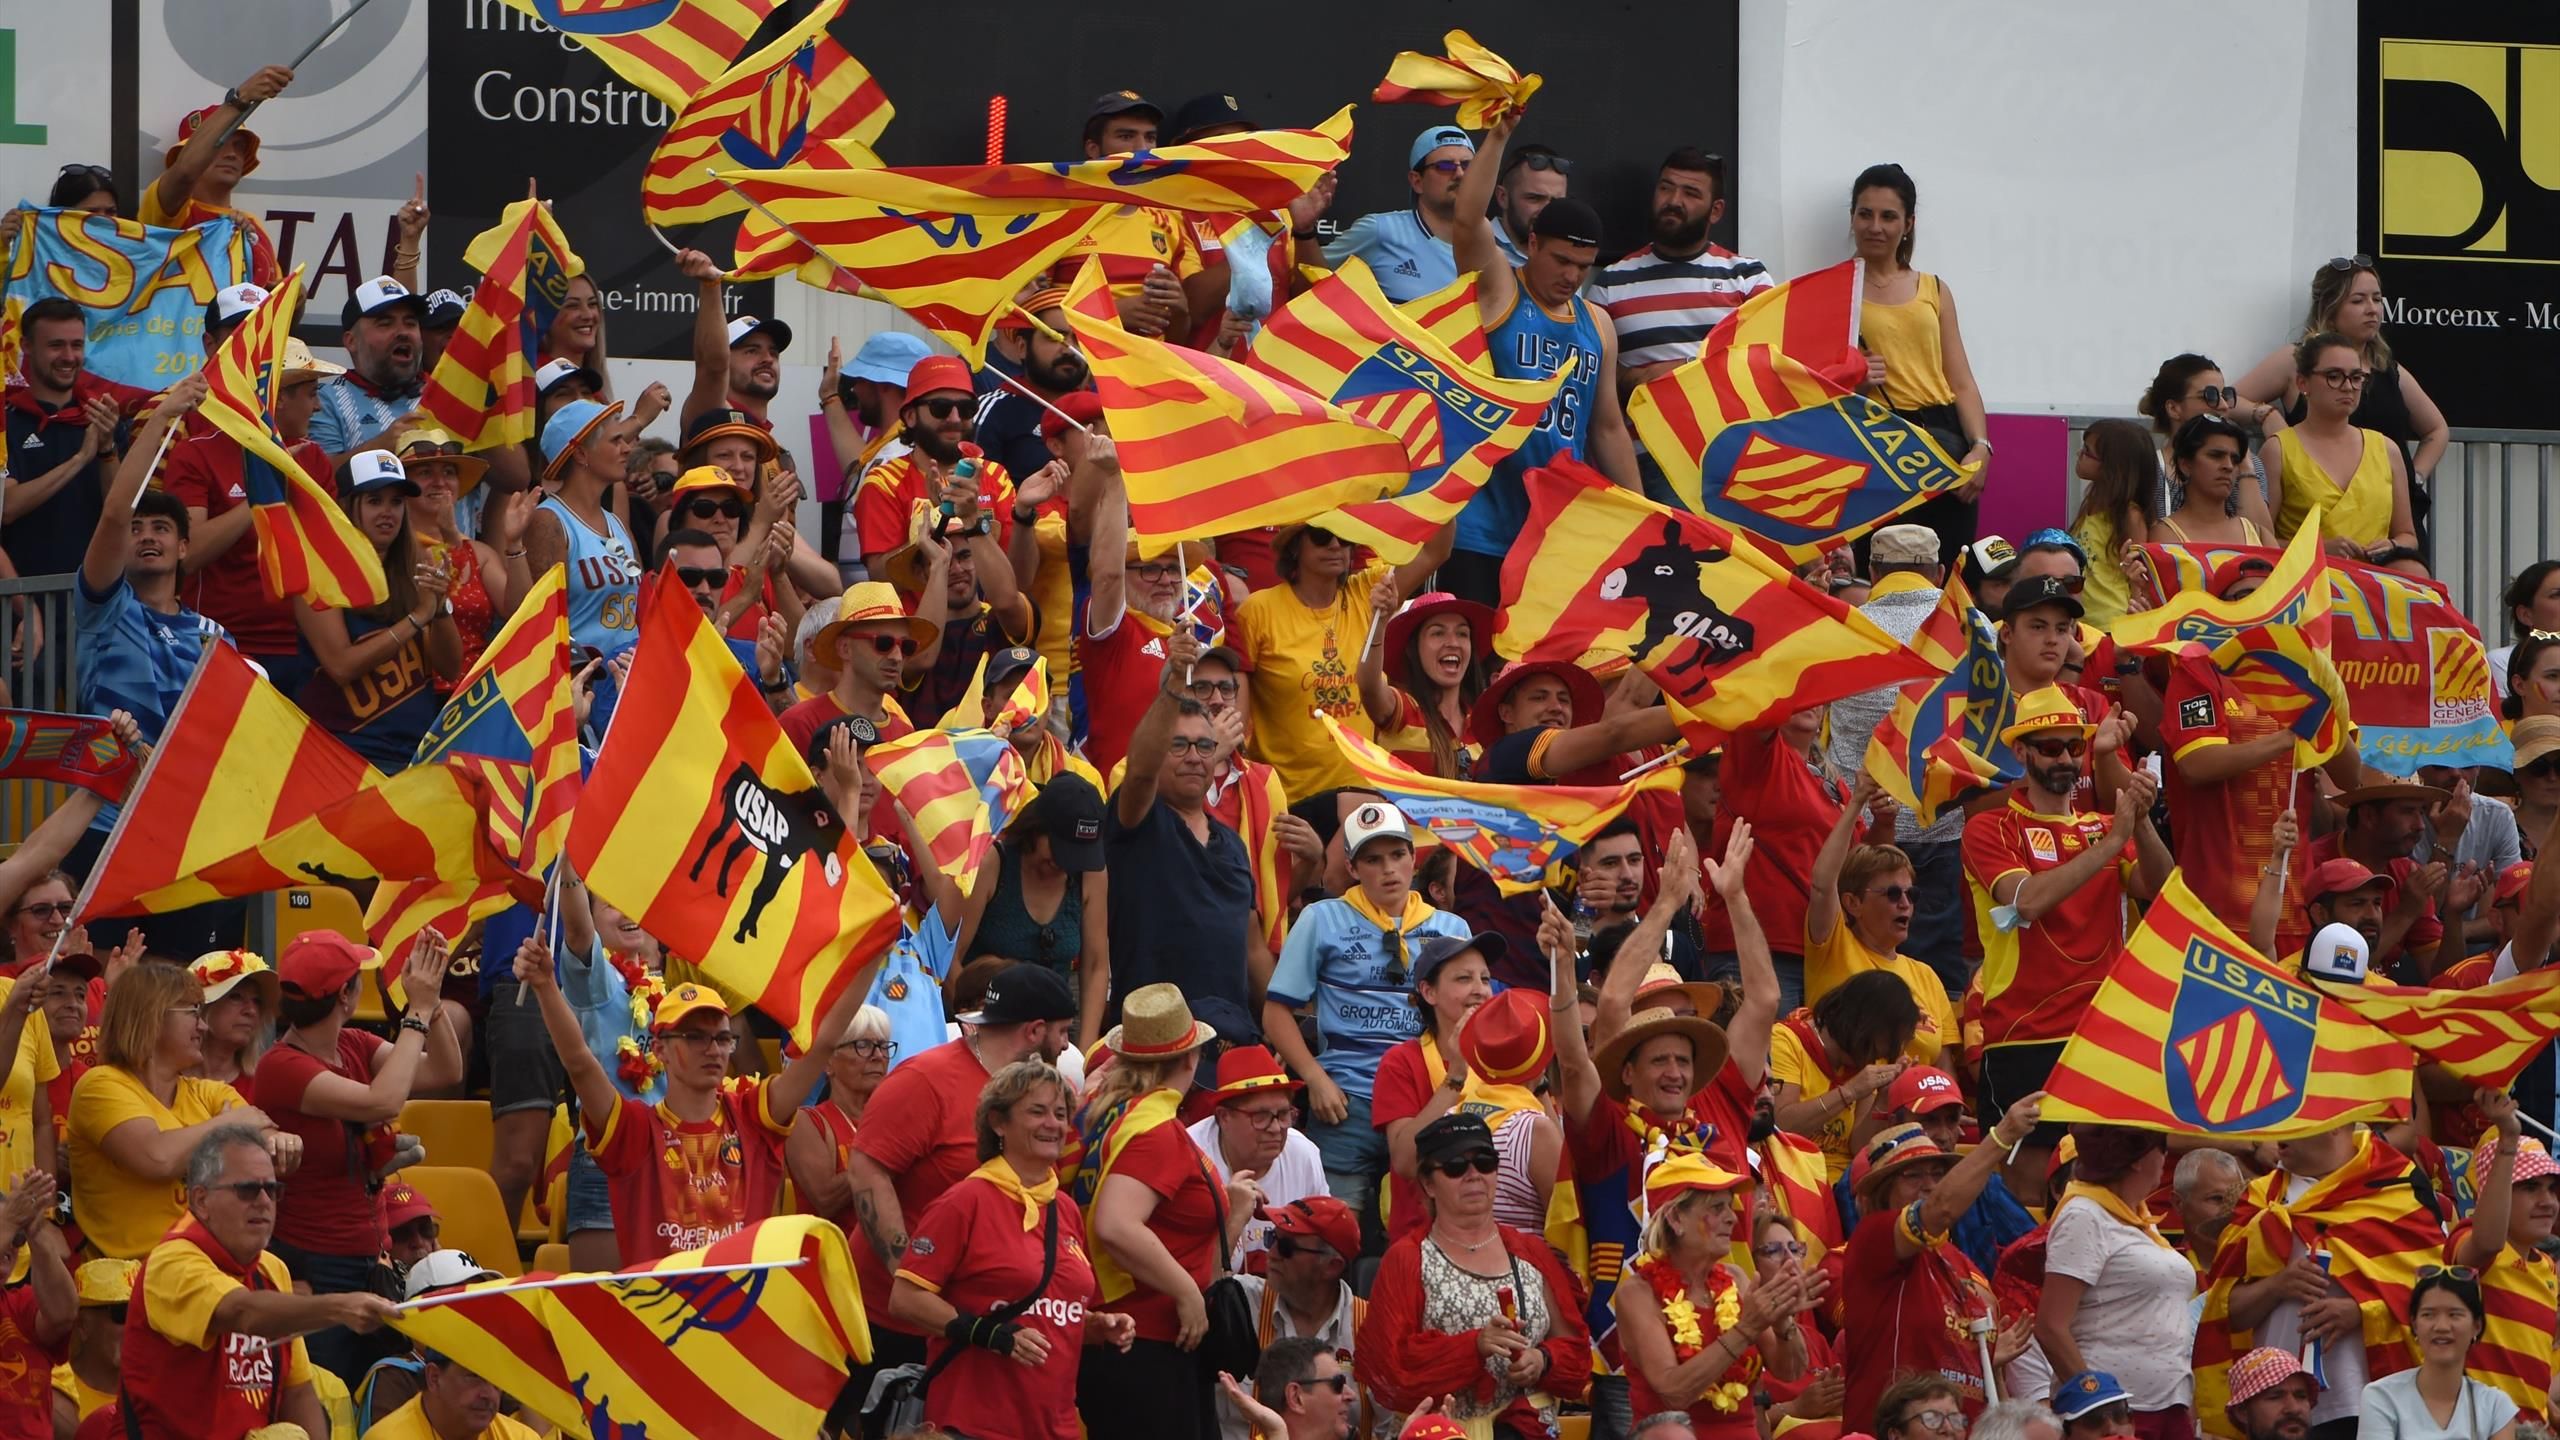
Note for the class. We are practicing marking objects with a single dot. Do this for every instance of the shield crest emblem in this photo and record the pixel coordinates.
(2240, 1041)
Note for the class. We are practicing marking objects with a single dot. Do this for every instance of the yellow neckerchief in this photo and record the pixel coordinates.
(2112, 1203)
(1897, 582)
(1035, 1198)
(1416, 910)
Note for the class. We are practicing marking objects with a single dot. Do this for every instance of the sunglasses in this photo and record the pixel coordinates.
(2218, 394)
(115, 1312)
(703, 578)
(902, 644)
(1398, 967)
(1896, 894)
(665, 477)
(1318, 535)
(1447, 167)
(1337, 1382)
(2463, 1273)
(1290, 1247)
(246, 1190)
(705, 509)
(2056, 749)
(1542, 160)
(1483, 1162)
(53, 909)
(2350, 263)
(77, 167)
(2542, 769)
(943, 407)
(1181, 745)
(430, 449)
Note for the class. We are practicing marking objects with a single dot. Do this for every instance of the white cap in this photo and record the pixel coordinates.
(233, 301)
(443, 1269)
(553, 373)
(377, 295)
(372, 469)
(2337, 953)
(1372, 821)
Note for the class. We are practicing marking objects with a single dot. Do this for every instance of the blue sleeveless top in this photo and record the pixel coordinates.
(1527, 344)
(383, 713)
(604, 582)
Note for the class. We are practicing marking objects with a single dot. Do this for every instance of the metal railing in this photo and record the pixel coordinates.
(46, 680)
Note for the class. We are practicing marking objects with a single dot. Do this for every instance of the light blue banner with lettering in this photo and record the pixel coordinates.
(144, 288)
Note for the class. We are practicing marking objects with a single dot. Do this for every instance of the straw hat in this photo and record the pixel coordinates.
(873, 600)
(2050, 708)
(222, 971)
(1894, 1149)
(1705, 1037)
(1156, 1024)
(1660, 979)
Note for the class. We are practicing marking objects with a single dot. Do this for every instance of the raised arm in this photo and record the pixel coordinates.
(1471, 237)
(2266, 912)
(2033, 895)
(102, 565)
(1149, 743)
(171, 191)
(1747, 1035)
(1579, 1078)
(1107, 579)
(596, 1096)
(1377, 695)
(710, 336)
(2487, 1238)
(397, 1067)
(2538, 918)
(1822, 891)
(1584, 746)
(1676, 891)
(1938, 1211)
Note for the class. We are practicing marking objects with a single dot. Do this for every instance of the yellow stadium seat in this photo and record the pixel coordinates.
(455, 1132)
(552, 1256)
(317, 907)
(1573, 1427)
(472, 1216)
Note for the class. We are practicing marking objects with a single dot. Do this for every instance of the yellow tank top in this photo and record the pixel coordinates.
(2359, 511)
(1905, 337)
(2107, 594)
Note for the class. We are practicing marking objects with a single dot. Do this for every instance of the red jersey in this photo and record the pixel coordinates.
(681, 1184)
(2425, 935)
(1791, 808)
(885, 504)
(921, 1126)
(183, 1378)
(1909, 1316)
(1122, 672)
(970, 1248)
(2038, 978)
(326, 1208)
(206, 475)
(839, 1130)
(1398, 1092)
(1190, 1213)
(802, 721)
(26, 1367)
(2223, 832)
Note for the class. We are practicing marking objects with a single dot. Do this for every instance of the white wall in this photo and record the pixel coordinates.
(2101, 186)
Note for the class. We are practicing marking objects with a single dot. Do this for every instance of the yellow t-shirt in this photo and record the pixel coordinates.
(1791, 1064)
(123, 1214)
(409, 1422)
(1305, 661)
(1129, 243)
(1829, 962)
(36, 1065)
(181, 1286)
(81, 1393)
(1053, 590)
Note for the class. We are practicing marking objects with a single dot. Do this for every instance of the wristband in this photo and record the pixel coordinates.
(1302, 234)
(1020, 518)
(412, 1022)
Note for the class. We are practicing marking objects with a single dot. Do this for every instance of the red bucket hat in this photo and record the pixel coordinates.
(1484, 722)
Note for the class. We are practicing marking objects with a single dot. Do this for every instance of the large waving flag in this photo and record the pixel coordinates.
(1454, 319)
(514, 717)
(1756, 439)
(1811, 319)
(56, 749)
(307, 547)
(762, 114)
(2485, 1036)
(701, 821)
(1929, 755)
(1210, 448)
(1343, 342)
(694, 1344)
(1510, 832)
(2387, 630)
(2273, 645)
(1734, 641)
(2195, 1033)
(670, 48)
(276, 769)
(1482, 85)
(482, 390)
(961, 785)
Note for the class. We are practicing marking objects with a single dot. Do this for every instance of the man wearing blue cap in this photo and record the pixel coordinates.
(1408, 250)
(2092, 1406)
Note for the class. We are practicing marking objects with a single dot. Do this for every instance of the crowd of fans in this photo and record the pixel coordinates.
(1223, 1098)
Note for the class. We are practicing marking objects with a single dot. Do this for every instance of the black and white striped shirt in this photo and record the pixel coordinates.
(1664, 308)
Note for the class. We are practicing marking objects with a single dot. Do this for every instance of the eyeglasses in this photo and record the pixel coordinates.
(54, 909)
(943, 407)
(192, 1012)
(2056, 749)
(704, 509)
(714, 1040)
(704, 578)
(1483, 1162)
(1447, 167)
(1267, 1119)
(1160, 570)
(1776, 1248)
(2350, 263)
(2344, 379)
(248, 1190)
(1896, 894)
(1944, 1422)
(1193, 744)
(871, 1049)
(903, 644)
(2218, 395)
(1223, 689)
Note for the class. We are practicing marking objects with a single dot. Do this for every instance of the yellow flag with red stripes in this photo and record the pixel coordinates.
(670, 48)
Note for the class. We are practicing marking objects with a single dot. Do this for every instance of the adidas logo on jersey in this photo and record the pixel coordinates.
(1407, 267)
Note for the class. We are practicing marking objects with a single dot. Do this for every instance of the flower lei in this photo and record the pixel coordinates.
(1690, 1337)
(639, 1066)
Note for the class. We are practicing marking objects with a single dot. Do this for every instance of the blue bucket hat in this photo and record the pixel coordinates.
(1434, 138)
(568, 428)
(2051, 539)
(886, 357)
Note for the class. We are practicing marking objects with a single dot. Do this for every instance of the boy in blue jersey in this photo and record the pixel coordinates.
(1535, 323)
(1354, 958)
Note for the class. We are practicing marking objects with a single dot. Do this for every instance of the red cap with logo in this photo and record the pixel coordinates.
(1320, 1217)
(1921, 1089)
(2341, 875)
(935, 373)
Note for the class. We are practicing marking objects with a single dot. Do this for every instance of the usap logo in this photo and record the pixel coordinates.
(2240, 1042)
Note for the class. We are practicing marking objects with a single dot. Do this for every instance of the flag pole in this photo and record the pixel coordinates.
(2292, 790)
(661, 237)
(599, 1277)
(1376, 624)
(2547, 1132)
(1657, 762)
(294, 64)
(166, 436)
(550, 914)
(1184, 578)
(789, 229)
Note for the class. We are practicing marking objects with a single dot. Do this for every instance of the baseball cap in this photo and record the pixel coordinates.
(2089, 1390)
(2236, 569)
(1439, 950)
(1084, 407)
(2338, 876)
(374, 469)
(1377, 820)
(2038, 590)
(1021, 993)
(1991, 557)
(377, 295)
(444, 309)
(1452, 1135)
(1321, 1218)
(686, 999)
(746, 325)
(195, 120)
(1921, 1089)
(2338, 952)
(231, 302)
(886, 357)
(2510, 888)
(1121, 102)
(1069, 811)
(1011, 663)
(444, 1270)
(402, 1204)
(1567, 219)
(564, 369)
(939, 372)
(1904, 545)
(1207, 112)
(1437, 137)
(321, 962)
(107, 1282)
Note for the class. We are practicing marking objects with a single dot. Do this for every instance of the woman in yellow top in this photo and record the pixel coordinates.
(2354, 477)
(1915, 351)
(1304, 638)
(1829, 1065)
(1857, 913)
(2119, 511)
(137, 1114)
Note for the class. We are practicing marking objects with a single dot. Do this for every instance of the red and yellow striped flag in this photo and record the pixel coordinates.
(1451, 315)
(1924, 755)
(701, 821)
(2273, 645)
(2485, 1037)
(962, 786)
(277, 769)
(1483, 85)
(307, 547)
(1341, 340)
(1799, 1182)
(482, 390)
(2195, 1033)
(762, 114)
(677, 1347)
(1733, 639)
(1811, 319)
(1210, 448)
(1029, 702)
(670, 48)
(514, 716)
